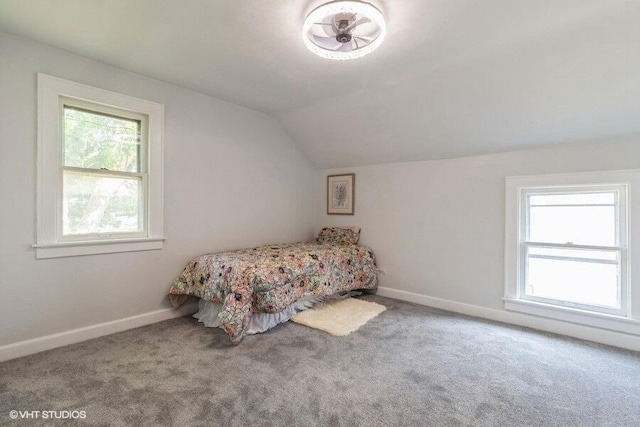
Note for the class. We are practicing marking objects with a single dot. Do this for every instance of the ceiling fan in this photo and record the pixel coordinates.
(344, 30)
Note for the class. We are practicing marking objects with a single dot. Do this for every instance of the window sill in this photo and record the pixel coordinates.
(603, 321)
(94, 247)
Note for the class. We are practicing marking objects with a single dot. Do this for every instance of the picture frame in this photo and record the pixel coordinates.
(341, 194)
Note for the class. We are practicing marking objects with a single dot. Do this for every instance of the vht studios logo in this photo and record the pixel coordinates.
(47, 415)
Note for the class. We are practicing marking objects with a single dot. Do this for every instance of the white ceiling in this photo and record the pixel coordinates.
(453, 77)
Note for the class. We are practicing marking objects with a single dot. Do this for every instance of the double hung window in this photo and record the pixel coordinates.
(99, 171)
(570, 250)
(573, 247)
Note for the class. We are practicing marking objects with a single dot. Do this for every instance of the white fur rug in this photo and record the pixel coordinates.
(339, 317)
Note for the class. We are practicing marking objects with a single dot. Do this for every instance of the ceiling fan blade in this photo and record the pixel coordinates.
(326, 28)
(346, 47)
(326, 42)
(360, 21)
(363, 38)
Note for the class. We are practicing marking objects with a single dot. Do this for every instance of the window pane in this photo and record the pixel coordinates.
(96, 141)
(101, 204)
(586, 225)
(577, 276)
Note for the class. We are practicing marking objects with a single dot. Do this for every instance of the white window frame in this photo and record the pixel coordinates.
(620, 248)
(53, 94)
(627, 184)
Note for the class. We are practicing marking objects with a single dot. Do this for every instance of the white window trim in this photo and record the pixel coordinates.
(515, 186)
(49, 243)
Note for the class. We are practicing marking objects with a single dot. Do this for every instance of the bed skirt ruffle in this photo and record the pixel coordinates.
(208, 313)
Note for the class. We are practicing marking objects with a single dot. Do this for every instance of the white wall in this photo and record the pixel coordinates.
(437, 227)
(233, 179)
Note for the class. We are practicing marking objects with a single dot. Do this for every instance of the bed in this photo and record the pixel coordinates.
(274, 281)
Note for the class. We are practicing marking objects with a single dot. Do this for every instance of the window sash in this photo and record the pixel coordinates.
(106, 110)
(97, 111)
(620, 263)
(142, 206)
(525, 195)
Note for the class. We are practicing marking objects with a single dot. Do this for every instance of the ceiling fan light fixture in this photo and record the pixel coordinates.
(343, 30)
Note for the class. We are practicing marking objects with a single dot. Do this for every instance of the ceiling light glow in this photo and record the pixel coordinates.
(344, 30)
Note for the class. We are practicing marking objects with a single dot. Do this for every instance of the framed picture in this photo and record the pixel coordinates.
(341, 194)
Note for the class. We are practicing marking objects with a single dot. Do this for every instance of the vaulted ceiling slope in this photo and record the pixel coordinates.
(453, 77)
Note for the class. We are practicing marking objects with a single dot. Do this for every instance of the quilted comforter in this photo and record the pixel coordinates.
(268, 279)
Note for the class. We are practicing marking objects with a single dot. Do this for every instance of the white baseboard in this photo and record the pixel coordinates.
(589, 333)
(36, 345)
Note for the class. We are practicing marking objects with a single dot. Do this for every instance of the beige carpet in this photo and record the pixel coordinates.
(339, 317)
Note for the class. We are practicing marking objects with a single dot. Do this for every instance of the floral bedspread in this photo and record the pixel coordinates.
(269, 278)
